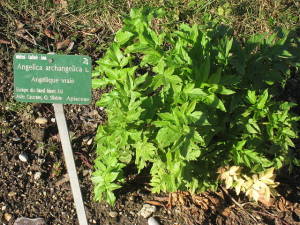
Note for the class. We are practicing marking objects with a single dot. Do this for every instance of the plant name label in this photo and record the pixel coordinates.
(45, 78)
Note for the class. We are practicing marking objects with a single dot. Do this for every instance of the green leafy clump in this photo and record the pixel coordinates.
(189, 101)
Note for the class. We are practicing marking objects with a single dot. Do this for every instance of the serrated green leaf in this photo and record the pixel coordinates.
(215, 77)
(251, 129)
(289, 132)
(228, 46)
(289, 142)
(140, 48)
(203, 72)
(100, 83)
(262, 99)
(151, 59)
(251, 96)
(97, 178)
(213, 101)
(166, 116)
(111, 198)
(123, 36)
(195, 93)
(167, 136)
(145, 152)
(240, 145)
(110, 177)
(115, 53)
(224, 91)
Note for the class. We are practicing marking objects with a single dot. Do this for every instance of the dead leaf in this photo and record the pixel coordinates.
(4, 42)
(220, 194)
(281, 204)
(170, 201)
(63, 44)
(41, 120)
(49, 33)
(62, 180)
(62, 3)
(23, 33)
(215, 201)
(201, 202)
(297, 212)
(71, 45)
(157, 203)
(20, 32)
(219, 220)
(161, 199)
(19, 24)
(226, 212)
(181, 199)
(267, 201)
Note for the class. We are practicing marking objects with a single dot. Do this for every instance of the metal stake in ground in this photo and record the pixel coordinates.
(69, 159)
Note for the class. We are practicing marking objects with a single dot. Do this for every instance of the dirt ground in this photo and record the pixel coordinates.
(39, 187)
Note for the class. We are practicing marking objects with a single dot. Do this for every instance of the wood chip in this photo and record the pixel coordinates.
(7, 216)
(63, 44)
(226, 212)
(4, 42)
(19, 24)
(63, 180)
(49, 34)
(41, 120)
(155, 203)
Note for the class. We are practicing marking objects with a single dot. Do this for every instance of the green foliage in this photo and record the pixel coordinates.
(190, 101)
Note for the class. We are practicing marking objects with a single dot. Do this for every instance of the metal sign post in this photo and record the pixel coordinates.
(69, 159)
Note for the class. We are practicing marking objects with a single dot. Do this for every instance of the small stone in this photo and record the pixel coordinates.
(89, 142)
(39, 150)
(95, 112)
(153, 221)
(23, 157)
(41, 120)
(37, 175)
(297, 212)
(16, 139)
(27, 221)
(147, 210)
(11, 194)
(85, 173)
(7, 216)
(3, 208)
(113, 214)
(71, 134)
(132, 198)
(53, 120)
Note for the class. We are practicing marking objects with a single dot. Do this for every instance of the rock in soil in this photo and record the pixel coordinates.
(11, 194)
(113, 214)
(23, 157)
(27, 221)
(41, 120)
(153, 221)
(147, 210)
(7, 216)
(37, 175)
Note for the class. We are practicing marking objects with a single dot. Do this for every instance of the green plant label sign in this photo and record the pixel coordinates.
(46, 78)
